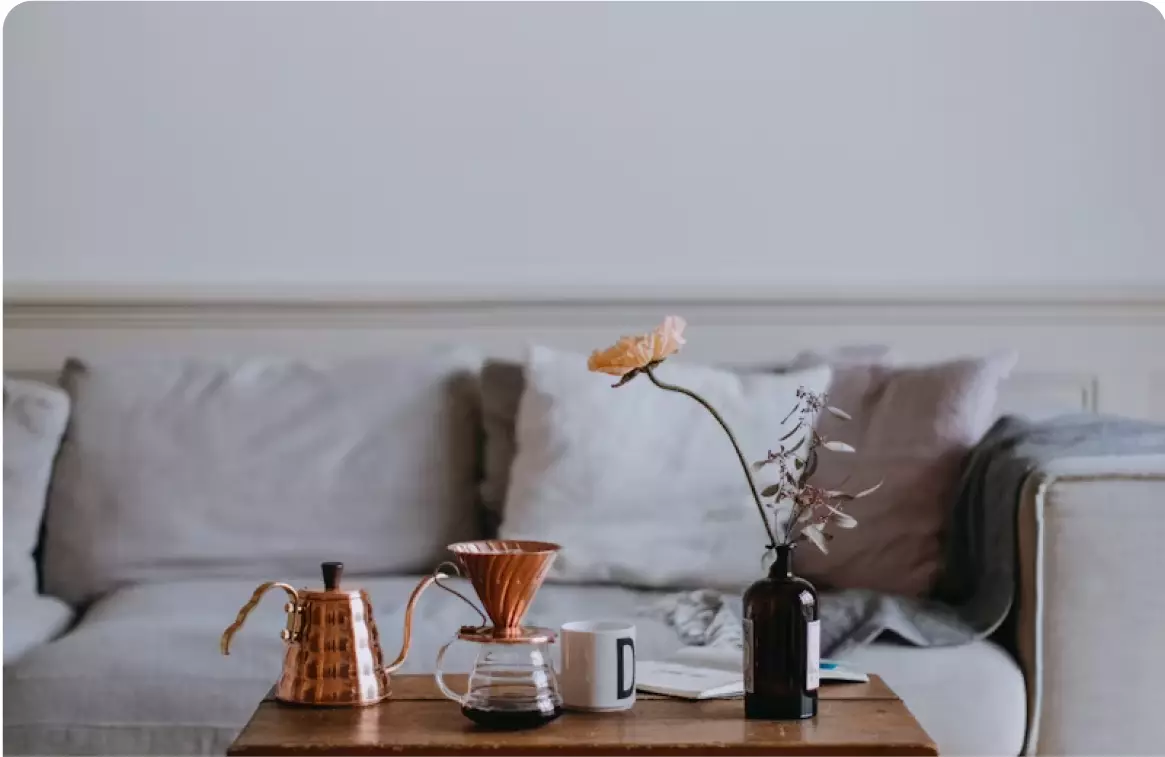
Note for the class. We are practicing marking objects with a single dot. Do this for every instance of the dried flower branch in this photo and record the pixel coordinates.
(811, 509)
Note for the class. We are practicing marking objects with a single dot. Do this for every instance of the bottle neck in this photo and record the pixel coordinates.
(782, 566)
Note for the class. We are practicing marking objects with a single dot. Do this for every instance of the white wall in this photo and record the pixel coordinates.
(769, 145)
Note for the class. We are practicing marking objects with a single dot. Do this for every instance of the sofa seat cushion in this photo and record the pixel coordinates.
(31, 620)
(971, 699)
(142, 673)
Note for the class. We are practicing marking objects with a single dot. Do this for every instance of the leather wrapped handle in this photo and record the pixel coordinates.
(292, 608)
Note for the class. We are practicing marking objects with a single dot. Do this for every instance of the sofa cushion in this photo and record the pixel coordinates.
(35, 415)
(607, 472)
(971, 699)
(31, 620)
(142, 673)
(192, 467)
(912, 427)
(504, 381)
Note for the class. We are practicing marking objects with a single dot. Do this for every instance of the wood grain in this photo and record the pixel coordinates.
(408, 687)
(853, 719)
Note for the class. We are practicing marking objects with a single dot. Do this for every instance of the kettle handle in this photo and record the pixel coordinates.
(434, 578)
(291, 608)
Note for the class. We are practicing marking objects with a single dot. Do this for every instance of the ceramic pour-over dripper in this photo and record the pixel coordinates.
(505, 574)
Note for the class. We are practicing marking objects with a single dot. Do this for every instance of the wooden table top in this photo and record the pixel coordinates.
(853, 718)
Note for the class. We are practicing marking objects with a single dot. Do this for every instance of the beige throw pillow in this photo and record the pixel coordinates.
(912, 428)
(641, 486)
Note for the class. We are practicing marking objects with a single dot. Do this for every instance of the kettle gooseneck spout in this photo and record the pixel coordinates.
(425, 583)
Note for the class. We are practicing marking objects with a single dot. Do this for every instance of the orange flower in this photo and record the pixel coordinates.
(633, 353)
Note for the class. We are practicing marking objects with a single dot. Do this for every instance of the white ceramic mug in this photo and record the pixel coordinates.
(598, 665)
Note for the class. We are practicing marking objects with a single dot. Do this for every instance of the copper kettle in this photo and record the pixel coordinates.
(333, 654)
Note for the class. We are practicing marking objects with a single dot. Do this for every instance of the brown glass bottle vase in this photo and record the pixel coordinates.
(782, 641)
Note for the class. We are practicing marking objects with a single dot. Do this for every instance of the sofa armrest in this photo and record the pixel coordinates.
(31, 620)
(1091, 614)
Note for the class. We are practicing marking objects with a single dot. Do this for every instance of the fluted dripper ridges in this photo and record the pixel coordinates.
(506, 574)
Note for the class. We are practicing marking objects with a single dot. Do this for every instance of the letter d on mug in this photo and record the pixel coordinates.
(598, 665)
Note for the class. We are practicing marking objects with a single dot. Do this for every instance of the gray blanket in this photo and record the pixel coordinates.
(977, 588)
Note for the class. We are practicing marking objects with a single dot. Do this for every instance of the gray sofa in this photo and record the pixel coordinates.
(142, 672)
(139, 671)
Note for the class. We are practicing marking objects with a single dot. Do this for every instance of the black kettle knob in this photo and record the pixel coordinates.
(332, 573)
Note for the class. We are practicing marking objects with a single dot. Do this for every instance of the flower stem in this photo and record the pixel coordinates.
(793, 516)
(735, 445)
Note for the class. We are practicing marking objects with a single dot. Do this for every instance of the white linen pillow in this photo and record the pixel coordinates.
(641, 486)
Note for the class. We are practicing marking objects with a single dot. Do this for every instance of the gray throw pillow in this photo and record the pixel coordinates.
(35, 416)
(188, 468)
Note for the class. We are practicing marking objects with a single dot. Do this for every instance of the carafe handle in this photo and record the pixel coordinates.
(439, 675)
(291, 608)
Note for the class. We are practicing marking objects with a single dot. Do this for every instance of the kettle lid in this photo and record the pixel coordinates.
(332, 571)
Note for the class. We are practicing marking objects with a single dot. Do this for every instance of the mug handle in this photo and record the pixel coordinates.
(439, 675)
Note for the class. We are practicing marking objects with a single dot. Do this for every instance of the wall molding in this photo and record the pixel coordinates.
(1079, 350)
(26, 293)
(34, 306)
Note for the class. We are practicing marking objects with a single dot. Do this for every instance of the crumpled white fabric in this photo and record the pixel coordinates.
(701, 618)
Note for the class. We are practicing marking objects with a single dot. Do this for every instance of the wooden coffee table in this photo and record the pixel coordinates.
(866, 718)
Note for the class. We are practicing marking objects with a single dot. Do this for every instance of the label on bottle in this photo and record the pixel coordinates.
(747, 623)
(813, 655)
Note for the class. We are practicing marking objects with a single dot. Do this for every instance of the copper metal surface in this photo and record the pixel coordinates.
(290, 608)
(522, 635)
(505, 574)
(425, 583)
(333, 654)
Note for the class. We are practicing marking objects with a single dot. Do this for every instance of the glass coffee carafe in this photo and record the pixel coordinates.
(512, 684)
